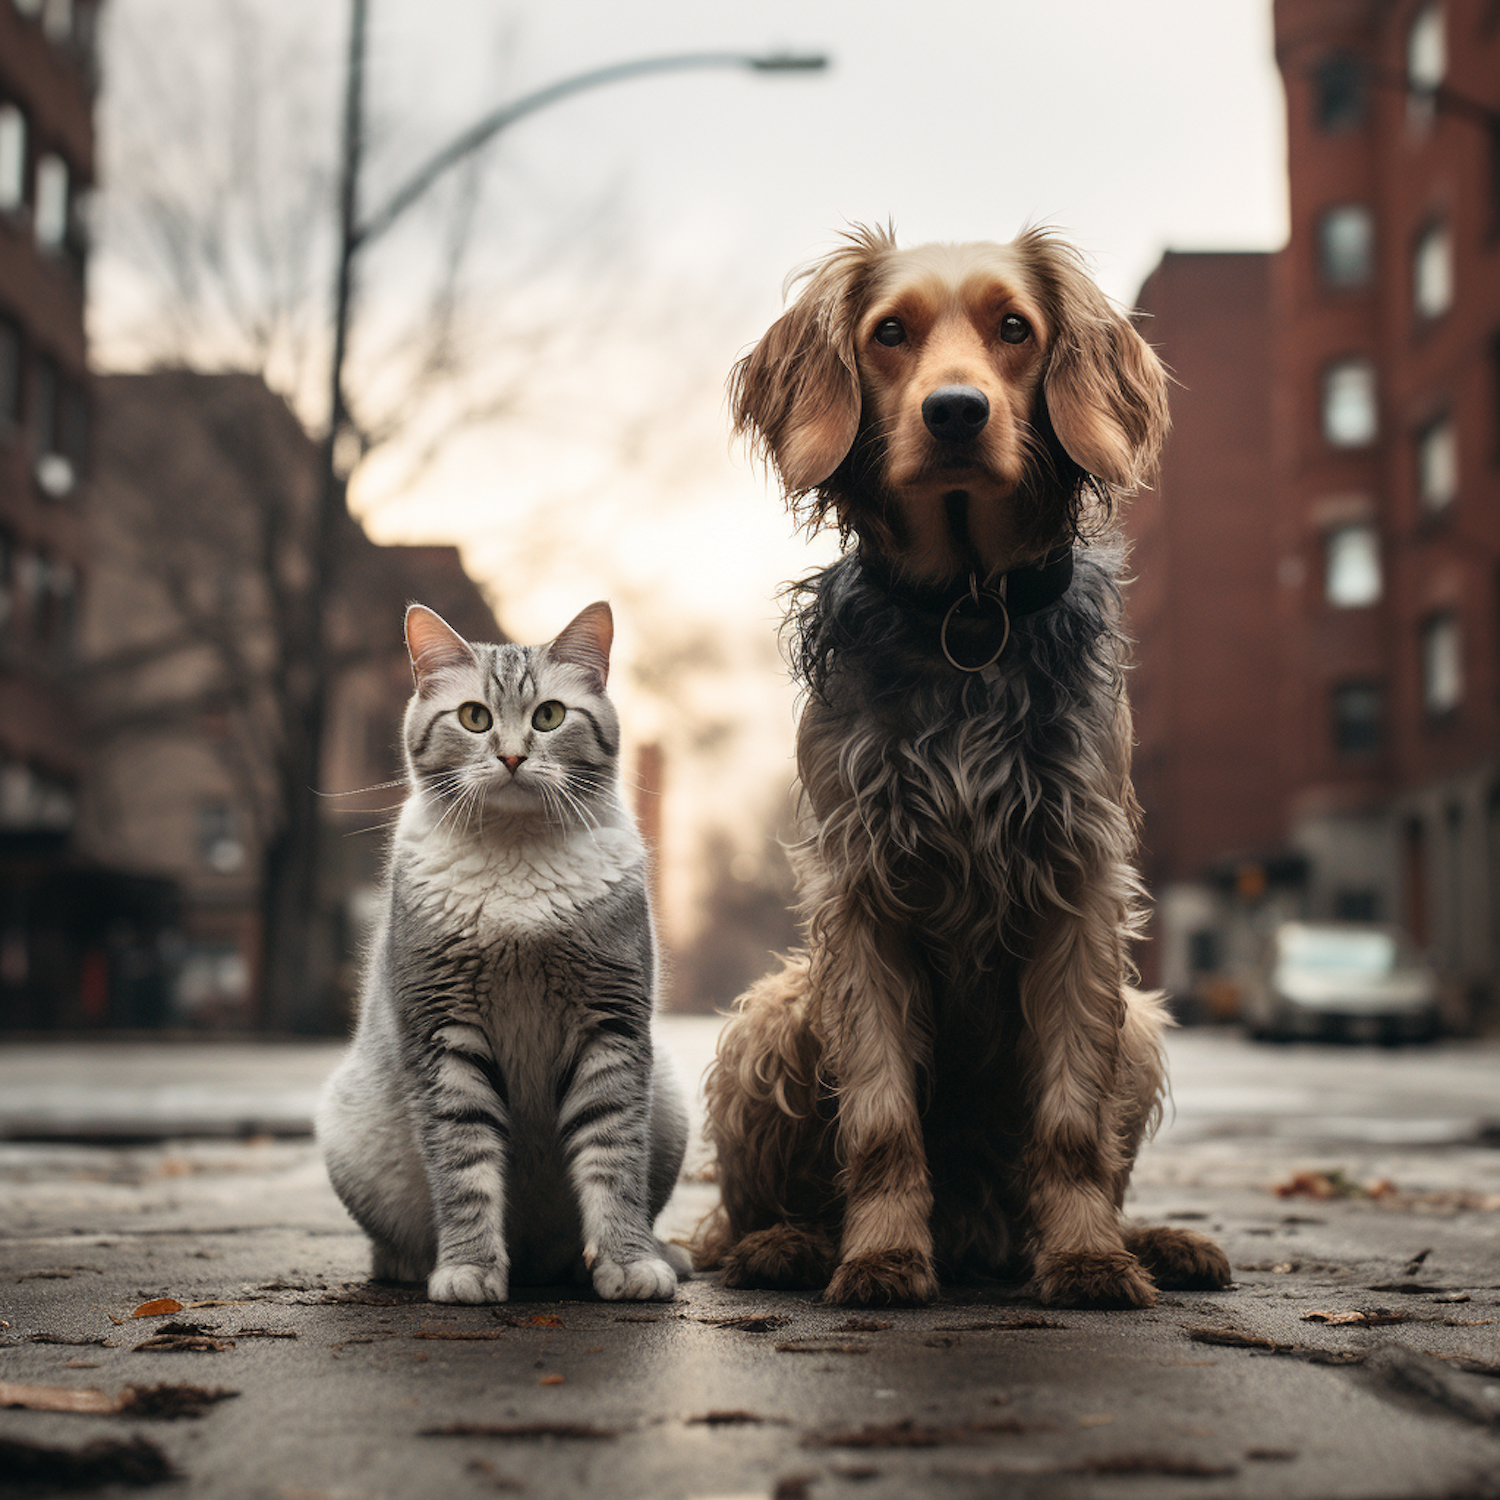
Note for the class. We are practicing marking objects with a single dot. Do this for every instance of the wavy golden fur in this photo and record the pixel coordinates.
(955, 1075)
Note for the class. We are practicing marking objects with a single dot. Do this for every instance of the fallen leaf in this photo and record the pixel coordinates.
(58, 1338)
(157, 1308)
(910, 1434)
(460, 1334)
(106, 1461)
(60, 1398)
(1166, 1464)
(728, 1419)
(750, 1322)
(184, 1343)
(522, 1430)
(1231, 1338)
(263, 1333)
(1370, 1317)
(1271, 1455)
(551, 1380)
(1000, 1325)
(167, 1403)
(863, 1325)
(793, 1487)
(815, 1346)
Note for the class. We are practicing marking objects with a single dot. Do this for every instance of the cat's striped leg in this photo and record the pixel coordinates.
(604, 1124)
(464, 1128)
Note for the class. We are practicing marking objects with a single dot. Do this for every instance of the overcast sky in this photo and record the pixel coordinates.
(1134, 125)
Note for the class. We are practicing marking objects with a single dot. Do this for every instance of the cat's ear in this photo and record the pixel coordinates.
(585, 642)
(433, 645)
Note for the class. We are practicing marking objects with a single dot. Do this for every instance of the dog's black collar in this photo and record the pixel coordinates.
(1026, 589)
(973, 619)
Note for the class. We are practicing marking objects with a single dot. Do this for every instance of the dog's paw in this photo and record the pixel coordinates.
(469, 1284)
(650, 1279)
(1112, 1279)
(782, 1257)
(878, 1280)
(1179, 1260)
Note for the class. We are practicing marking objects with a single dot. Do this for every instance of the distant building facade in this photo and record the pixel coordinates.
(1373, 577)
(201, 512)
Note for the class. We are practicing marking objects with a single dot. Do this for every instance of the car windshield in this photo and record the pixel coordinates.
(1335, 950)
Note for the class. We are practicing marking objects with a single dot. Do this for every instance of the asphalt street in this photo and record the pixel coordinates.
(1357, 1355)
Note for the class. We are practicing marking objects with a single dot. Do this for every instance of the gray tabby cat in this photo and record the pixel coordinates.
(499, 1113)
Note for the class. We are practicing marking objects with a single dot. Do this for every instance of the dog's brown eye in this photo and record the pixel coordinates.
(1014, 330)
(889, 332)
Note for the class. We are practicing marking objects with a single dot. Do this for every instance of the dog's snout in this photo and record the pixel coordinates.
(956, 412)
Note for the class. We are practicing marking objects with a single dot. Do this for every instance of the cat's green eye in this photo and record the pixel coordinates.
(549, 714)
(475, 717)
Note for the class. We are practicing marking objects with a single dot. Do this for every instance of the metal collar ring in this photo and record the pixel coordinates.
(975, 595)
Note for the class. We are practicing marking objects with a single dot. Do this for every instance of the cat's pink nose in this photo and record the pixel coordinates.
(510, 762)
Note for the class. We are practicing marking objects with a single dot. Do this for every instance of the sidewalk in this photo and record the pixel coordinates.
(1356, 1358)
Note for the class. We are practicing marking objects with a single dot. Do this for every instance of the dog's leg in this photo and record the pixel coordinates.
(1072, 998)
(777, 1219)
(886, 1252)
(1177, 1259)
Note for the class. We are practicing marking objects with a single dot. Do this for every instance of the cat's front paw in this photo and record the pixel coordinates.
(648, 1280)
(469, 1284)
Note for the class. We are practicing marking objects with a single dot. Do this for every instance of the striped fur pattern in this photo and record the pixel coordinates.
(499, 1115)
(955, 1075)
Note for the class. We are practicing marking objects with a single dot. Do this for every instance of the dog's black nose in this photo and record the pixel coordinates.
(956, 412)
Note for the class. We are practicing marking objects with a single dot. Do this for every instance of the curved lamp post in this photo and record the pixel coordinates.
(291, 898)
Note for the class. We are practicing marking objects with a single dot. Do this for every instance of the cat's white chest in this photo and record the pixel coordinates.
(498, 888)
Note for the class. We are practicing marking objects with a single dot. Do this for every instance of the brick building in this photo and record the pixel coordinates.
(1366, 577)
(202, 508)
(46, 170)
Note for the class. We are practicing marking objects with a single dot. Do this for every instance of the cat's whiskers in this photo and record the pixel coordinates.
(566, 797)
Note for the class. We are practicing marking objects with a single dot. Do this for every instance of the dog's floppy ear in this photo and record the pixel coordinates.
(796, 394)
(1106, 390)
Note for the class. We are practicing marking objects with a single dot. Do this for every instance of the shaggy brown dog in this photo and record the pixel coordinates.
(954, 1075)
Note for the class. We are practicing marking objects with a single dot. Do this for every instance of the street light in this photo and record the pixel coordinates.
(288, 968)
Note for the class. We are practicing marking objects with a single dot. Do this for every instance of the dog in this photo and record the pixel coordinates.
(955, 1075)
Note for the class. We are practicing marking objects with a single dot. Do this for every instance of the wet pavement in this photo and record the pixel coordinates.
(1358, 1354)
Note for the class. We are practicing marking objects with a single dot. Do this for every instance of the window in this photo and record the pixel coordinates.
(1426, 63)
(7, 579)
(1349, 419)
(1442, 665)
(12, 157)
(10, 372)
(1356, 904)
(1358, 718)
(219, 842)
(44, 408)
(1437, 465)
(1339, 92)
(1426, 50)
(57, 19)
(1432, 272)
(51, 202)
(1358, 715)
(54, 605)
(1346, 245)
(1353, 575)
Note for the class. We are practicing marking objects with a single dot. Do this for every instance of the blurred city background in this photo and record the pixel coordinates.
(206, 543)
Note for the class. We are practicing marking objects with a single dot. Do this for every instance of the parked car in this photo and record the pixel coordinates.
(1352, 981)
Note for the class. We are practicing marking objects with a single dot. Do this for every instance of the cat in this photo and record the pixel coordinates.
(499, 1114)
